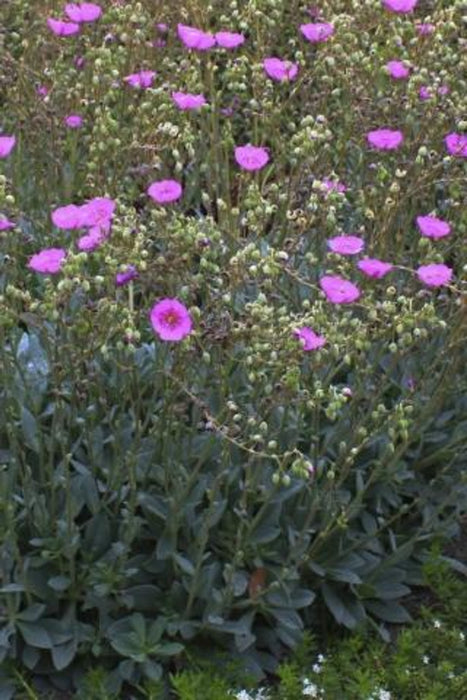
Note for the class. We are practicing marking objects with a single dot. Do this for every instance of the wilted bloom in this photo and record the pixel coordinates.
(67, 217)
(339, 290)
(425, 28)
(83, 11)
(456, 144)
(402, 6)
(171, 320)
(397, 70)
(280, 70)
(251, 157)
(187, 101)
(229, 40)
(346, 245)
(317, 31)
(309, 339)
(434, 275)
(48, 261)
(74, 121)
(372, 267)
(122, 278)
(165, 191)
(61, 28)
(385, 139)
(432, 227)
(194, 38)
(5, 223)
(7, 144)
(143, 79)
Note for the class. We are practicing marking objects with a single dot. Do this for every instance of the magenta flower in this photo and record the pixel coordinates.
(309, 339)
(83, 11)
(42, 90)
(97, 212)
(385, 139)
(397, 70)
(251, 157)
(443, 90)
(74, 121)
(280, 70)
(122, 278)
(229, 40)
(432, 227)
(194, 38)
(456, 144)
(7, 144)
(143, 79)
(5, 223)
(317, 32)
(171, 320)
(346, 245)
(434, 275)
(401, 6)
(67, 217)
(425, 28)
(48, 261)
(93, 238)
(333, 185)
(61, 28)
(186, 101)
(372, 267)
(165, 191)
(339, 290)
(424, 93)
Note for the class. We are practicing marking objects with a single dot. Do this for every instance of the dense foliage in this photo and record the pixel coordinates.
(233, 324)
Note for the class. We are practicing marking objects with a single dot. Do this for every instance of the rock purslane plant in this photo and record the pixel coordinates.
(233, 324)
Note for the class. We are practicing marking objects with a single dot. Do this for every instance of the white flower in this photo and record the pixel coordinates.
(316, 668)
(426, 659)
(310, 690)
(384, 694)
(320, 658)
(243, 695)
(436, 624)
(461, 636)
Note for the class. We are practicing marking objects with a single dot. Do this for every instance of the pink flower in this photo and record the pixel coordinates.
(143, 79)
(434, 275)
(333, 185)
(122, 278)
(346, 245)
(83, 11)
(424, 93)
(402, 6)
(74, 121)
(171, 320)
(5, 223)
(397, 70)
(165, 191)
(339, 290)
(385, 139)
(251, 157)
(194, 38)
(61, 28)
(97, 212)
(317, 31)
(372, 267)
(48, 261)
(443, 90)
(432, 227)
(229, 40)
(456, 144)
(309, 339)
(7, 144)
(425, 28)
(186, 101)
(42, 90)
(67, 217)
(279, 70)
(93, 238)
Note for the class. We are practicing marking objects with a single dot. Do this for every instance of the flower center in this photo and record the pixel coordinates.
(171, 318)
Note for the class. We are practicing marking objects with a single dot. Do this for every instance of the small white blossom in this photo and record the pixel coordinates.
(384, 694)
(436, 624)
(320, 658)
(316, 668)
(310, 690)
(462, 636)
(426, 659)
